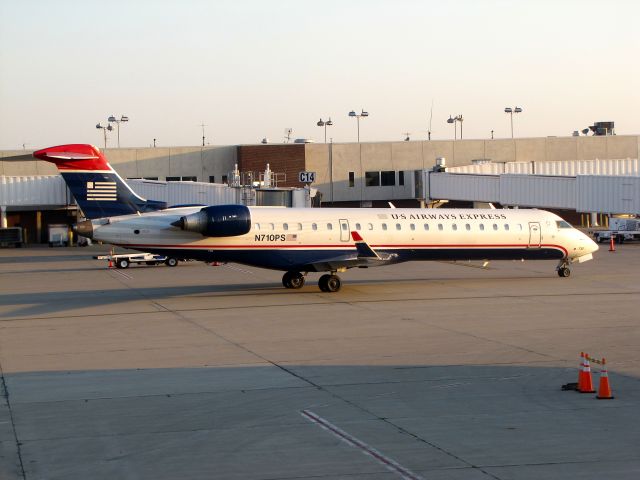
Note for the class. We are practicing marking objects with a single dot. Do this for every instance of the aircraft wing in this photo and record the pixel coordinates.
(365, 256)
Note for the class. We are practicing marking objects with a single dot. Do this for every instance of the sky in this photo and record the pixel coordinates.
(251, 69)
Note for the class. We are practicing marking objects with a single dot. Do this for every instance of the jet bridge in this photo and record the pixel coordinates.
(595, 186)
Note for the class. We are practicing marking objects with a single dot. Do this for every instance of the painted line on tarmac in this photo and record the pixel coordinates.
(125, 275)
(387, 462)
(238, 269)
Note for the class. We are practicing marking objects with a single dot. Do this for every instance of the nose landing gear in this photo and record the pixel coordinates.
(563, 269)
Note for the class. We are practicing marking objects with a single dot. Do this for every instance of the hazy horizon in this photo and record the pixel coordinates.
(250, 69)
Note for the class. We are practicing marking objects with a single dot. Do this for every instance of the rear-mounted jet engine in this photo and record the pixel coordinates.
(217, 221)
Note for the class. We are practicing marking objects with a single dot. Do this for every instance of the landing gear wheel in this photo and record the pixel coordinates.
(293, 280)
(564, 272)
(329, 283)
(171, 262)
(122, 263)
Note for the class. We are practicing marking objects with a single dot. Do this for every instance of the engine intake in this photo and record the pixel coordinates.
(217, 221)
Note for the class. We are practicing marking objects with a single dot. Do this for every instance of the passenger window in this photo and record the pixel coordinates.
(343, 226)
(506, 227)
(520, 226)
(314, 226)
(495, 226)
(299, 226)
(440, 227)
(329, 226)
(384, 226)
(398, 226)
(454, 227)
(285, 226)
(482, 226)
(256, 226)
(426, 227)
(357, 226)
(272, 226)
(468, 227)
(413, 226)
(370, 226)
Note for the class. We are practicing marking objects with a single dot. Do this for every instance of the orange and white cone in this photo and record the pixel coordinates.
(612, 245)
(110, 263)
(587, 381)
(604, 390)
(581, 372)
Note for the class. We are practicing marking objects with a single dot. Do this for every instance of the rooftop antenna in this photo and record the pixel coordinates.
(430, 118)
(202, 125)
(407, 136)
(287, 134)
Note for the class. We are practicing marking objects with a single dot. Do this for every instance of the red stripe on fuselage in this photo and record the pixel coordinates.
(338, 246)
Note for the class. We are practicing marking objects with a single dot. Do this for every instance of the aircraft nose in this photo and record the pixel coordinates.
(589, 245)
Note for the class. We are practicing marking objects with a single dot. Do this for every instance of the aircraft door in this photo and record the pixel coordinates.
(535, 235)
(345, 233)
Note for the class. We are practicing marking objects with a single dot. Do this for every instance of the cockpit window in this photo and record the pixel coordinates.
(563, 224)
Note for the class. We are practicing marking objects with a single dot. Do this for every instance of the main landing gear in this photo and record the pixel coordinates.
(563, 269)
(327, 283)
(293, 280)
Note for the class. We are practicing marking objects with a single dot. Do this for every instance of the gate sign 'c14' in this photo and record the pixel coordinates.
(307, 177)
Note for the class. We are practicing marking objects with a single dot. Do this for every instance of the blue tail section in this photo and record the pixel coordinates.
(106, 195)
(96, 186)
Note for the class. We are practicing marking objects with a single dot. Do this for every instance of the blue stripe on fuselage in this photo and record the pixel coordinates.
(299, 259)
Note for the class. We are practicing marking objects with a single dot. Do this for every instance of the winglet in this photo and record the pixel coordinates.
(364, 250)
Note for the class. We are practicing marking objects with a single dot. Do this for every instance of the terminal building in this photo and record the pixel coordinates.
(346, 174)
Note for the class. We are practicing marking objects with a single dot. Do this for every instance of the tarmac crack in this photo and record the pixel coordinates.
(5, 395)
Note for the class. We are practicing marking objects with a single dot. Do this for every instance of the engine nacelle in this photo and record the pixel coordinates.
(217, 221)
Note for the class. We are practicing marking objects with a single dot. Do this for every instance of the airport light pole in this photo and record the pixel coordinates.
(112, 119)
(104, 129)
(324, 124)
(511, 111)
(455, 120)
(352, 114)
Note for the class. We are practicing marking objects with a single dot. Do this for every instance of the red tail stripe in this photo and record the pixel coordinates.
(87, 157)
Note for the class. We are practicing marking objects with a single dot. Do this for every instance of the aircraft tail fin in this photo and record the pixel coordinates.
(96, 186)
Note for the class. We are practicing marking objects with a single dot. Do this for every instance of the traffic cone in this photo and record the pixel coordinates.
(581, 372)
(110, 263)
(612, 245)
(604, 390)
(587, 381)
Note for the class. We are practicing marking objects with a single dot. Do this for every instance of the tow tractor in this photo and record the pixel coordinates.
(124, 260)
(621, 229)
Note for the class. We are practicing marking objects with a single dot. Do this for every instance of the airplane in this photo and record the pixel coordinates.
(303, 240)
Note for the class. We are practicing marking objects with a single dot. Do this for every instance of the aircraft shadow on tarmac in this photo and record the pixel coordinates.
(437, 421)
(47, 304)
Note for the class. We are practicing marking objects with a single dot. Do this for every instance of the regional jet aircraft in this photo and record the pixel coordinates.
(303, 240)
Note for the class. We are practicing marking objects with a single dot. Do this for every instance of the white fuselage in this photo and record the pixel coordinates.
(279, 236)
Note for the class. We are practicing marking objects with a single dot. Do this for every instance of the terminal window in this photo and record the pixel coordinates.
(401, 177)
(352, 179)
(372, 179)
(212, 179)
(173, 179)
(388, 178)
(189, 179)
